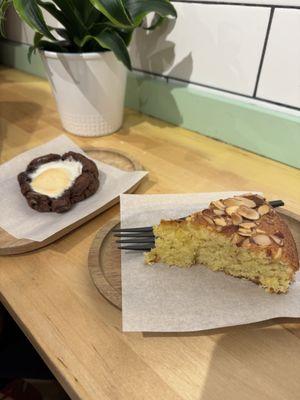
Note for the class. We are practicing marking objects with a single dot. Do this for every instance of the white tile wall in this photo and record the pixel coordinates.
(16, 30)
(20, 32)
(219, 46)
(269, 2)
(280, 76)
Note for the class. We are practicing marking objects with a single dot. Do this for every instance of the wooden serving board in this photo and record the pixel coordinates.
(104, 260)
(10, 245)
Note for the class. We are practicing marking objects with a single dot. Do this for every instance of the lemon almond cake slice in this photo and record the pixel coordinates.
(242, 236)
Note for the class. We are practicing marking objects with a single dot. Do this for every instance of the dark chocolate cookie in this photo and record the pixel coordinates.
(85, 185)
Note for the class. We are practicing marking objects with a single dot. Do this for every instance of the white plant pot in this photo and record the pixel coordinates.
(89, 90)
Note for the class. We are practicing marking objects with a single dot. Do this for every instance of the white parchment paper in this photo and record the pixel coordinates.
(159, 298)
(19, 220)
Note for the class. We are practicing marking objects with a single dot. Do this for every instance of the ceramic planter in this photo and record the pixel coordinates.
(89, 90)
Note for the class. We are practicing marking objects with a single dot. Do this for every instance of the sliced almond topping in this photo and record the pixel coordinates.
(245, 232)
(277, 240)
(264, 209)
(248, 225)
(262, 240)
(232, 202)
(248, 213)
(246, 202)
(218, 212)
(220, 221)
(260, 231)
(232, 209)
(209, 220)
(206, 212)
(218, 204)
(278, 253)
(279, 234)
(236, 219)
(246, 243)
(258, 200)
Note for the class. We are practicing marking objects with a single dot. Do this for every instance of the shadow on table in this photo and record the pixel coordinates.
(253, 363)
(250, 361)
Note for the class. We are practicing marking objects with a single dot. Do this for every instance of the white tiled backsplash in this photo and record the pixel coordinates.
(248, 47)
(280, 75)
(219, 46)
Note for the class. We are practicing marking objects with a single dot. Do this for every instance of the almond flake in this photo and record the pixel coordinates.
(264, 209)
(232, 202)
(277, 240)
(232, 209)
(258, 200)
(248, 213)
(209, 220)
(218, 204)
(248, 225)
(279, 234)
(218, 212)
(220, 221)
(246, 202)
(236, 219)
(262, 240)
(260, 231)
(245, 232)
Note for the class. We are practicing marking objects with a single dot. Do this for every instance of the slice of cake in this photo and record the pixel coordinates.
(242, 236)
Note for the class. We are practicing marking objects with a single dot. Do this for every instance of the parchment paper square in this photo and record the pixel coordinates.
(159, 298)
(20, 221)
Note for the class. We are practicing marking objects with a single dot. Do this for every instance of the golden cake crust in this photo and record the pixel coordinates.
(250, 222)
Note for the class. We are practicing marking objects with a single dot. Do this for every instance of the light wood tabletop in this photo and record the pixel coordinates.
(78, 333)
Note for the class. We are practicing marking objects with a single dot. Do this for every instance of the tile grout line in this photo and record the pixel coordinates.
(228, 3)
(167, 78)
(263, 51)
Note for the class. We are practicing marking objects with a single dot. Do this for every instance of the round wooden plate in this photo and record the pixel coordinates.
(104, 260)
(10, 245)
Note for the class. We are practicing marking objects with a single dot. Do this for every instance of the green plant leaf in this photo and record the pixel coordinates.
(63, 33)
(72, 15)
(138, 9)
(32, 49)
(51, 46)
(111, 40)
(29, 12)
(114, 10)
(55, 12)
(3, 7)
(84, 9)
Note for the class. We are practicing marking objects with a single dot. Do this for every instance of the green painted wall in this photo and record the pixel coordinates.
(270, 133)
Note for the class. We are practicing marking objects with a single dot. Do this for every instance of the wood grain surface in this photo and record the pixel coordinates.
(104, 259)
(10, 245)
(78, 333)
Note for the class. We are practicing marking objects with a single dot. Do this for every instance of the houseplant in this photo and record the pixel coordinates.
(86, 56)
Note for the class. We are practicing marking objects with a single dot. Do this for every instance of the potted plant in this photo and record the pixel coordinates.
(86, 57)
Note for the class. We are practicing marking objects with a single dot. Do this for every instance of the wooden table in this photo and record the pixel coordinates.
(78, 333)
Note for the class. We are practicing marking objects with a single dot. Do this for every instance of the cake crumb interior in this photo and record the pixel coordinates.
(189, 246)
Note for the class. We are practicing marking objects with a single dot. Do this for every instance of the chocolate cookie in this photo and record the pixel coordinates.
(53, 183)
